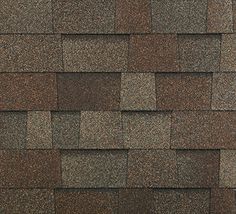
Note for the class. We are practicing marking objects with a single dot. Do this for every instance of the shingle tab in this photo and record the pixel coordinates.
(65, 129)
(182, 16)
(199, 53)
(138, 91)
(199, 168)
(28, 91)
(30, 53)
(39, 130)
(151, 168)
(94, 169)
(228, 53)
(24, 16)
(224, 91)
(153, 53)
(149, 130)
(29, 169)
(95, 53)
(228, 168)
(84, 16)
(133, 16)
(220, 16)
(181, 201)
(180, 91)
(86, 201)
(89, 91)
(26, 201)
(101, 130)
(13, 130)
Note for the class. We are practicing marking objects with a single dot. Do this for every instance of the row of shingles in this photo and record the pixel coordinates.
(118, 16)
(118, 53)
(191, 130)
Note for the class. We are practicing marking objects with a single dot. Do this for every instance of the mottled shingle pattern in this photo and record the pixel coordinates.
(118, 106)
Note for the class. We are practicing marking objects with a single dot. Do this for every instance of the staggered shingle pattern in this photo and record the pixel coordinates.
(118, 106)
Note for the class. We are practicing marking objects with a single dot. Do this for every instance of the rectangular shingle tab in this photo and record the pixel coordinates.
(94, 53)
(30, 53)
(84, 16)
(94, 169)
(182, 16)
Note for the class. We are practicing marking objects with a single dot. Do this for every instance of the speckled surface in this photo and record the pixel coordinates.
(101, 130)
(95, 53)
(133, 16)
(28, 91)
(199, 53)
(151, 168)
(149, 130)
(29, 169)
(153, 53)
(84, 16)
(34, 201)
(181, 16)
(89, 91)
(86, 201)
(198, 168)
(65, 130)
(224, 91)
(30, 53)
(13, 130)
(94, 169)
(220, 17)
(26, 16)
(39, 130)
(228, 168)
(183, 91)
(138, 91)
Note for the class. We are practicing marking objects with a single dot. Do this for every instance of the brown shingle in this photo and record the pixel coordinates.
(220, 17)
(39, 130)
(149, 130)
(30, 169)
(198, 168)
(93, 53)
(30, 53)
(136, 201)
(182, 16)
(182, 201)
(199, 53)
(133, 16)
(23, 16)
(228, 52)
(222, 201)
(153, 53)
(234, 14)
(183, 91)
(203, 130)
(26, 201)
(100, 130)
(89, 91)
(13, 130)
(86, 201)
(151, 168)
(138, 91)
(65, 129)
(84, 16)
(94, 169)
(228, 168)
(27, 91)
(224, 91)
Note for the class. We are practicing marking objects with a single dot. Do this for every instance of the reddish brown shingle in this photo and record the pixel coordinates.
(183, 91)
(153, 53)
(30, 169)
(28, 91)
(89, 91)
